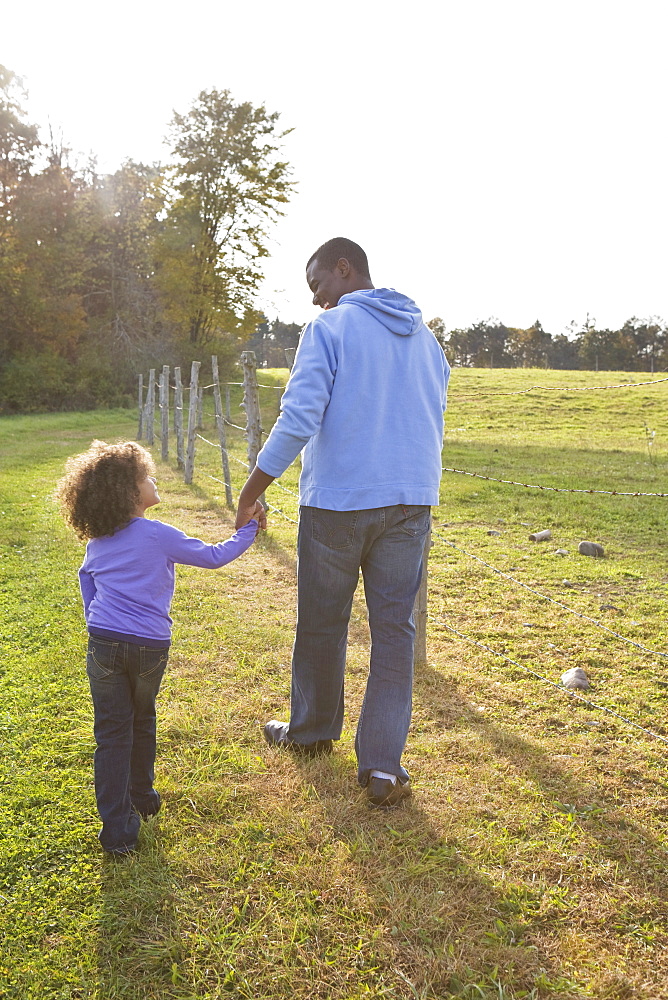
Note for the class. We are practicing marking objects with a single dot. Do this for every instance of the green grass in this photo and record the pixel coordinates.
(531, 862)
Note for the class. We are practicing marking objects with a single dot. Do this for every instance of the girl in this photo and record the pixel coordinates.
(127, 585)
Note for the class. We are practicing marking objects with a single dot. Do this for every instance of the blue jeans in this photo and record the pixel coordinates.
(124, 682)
(387, 544)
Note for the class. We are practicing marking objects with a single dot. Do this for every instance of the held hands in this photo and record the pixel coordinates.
(249, 505)
(246, 513)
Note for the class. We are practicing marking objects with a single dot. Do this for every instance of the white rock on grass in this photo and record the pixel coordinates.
(540, 536)
(575, 678)
(561, 552)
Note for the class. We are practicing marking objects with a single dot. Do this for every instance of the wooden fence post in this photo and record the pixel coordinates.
(164, 413)
(220, 424)
(141, 407)
(178, 417)
(420, 608)
(150, 406)
(200, 408)
(192, 423)
(251, 405)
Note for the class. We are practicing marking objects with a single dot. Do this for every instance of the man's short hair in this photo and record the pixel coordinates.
(330, 253)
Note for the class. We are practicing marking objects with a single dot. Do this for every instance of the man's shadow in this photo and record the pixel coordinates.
(445, 923)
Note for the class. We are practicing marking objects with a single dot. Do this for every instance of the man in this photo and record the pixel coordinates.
(365, 401)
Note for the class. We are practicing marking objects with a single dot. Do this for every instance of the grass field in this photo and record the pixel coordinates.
(532, 859)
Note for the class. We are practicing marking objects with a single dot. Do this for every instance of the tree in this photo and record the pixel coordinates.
(48, 256)
(281, 337)
(460, 348)
(227, 187)
(122, 304)
(270, 341)
(18, 140)
(530, 348)
(437, 327)
(490, 338)
(651, 342)
(609, 350)
(563, 353)
(482, 345)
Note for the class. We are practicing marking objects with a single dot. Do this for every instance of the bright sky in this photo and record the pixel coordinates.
(502, 158)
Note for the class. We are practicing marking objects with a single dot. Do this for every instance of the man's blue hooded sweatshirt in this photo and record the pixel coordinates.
(365, 400)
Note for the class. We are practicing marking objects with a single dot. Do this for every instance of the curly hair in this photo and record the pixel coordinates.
(100, 491)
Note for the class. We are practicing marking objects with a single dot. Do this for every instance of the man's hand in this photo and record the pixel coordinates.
(249, 505)
(248, 511)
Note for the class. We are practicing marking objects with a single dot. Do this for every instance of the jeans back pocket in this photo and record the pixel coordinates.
(417, 520)
(101, 658)
(333, 528)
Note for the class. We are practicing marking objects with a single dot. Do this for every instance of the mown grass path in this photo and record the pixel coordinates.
(531, 862)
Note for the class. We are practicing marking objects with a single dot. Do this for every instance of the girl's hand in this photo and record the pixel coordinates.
(260, 514)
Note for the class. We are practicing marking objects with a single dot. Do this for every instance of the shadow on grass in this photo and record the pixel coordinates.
(442, 925)
(138, 944)
(639, 858)
(284, 555)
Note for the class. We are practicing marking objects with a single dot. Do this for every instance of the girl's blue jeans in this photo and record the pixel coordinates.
(124, 682)
(386, 544)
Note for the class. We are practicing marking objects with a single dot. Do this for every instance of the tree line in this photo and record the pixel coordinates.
(639, 345)
(105, 275)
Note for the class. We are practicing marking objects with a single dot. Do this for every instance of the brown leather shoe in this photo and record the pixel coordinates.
(276, 735)
(386, 794)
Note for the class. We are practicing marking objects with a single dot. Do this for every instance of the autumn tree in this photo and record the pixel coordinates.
(123, 218)
(18, 143)
(226, 188)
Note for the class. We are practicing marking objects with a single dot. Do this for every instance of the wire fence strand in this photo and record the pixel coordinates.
(544, 597)
(554, 489)
(559, 388)
(560, 687)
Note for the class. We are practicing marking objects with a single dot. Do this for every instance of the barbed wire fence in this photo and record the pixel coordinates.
(253, 432)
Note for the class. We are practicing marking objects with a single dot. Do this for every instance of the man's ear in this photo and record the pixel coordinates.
(343, 267)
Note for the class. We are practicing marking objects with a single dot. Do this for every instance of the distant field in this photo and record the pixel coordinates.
(531, 862)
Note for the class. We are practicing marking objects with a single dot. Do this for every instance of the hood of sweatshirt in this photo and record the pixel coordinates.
(395, 311)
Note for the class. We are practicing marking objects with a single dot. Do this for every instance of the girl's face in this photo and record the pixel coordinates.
(148, 493)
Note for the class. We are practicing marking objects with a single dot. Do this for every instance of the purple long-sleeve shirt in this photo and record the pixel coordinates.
(127, 579)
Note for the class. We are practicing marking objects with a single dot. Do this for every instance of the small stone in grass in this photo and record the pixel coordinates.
(575, 678)
(493, 532)
(561, 552)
